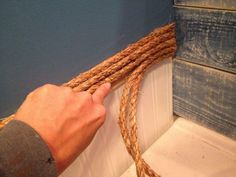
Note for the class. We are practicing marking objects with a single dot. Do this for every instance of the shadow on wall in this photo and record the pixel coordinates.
(52, 41)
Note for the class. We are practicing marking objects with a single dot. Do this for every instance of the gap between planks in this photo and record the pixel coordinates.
(202, 64)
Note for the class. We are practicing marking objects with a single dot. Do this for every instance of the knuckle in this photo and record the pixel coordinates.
(86, 96)
(45, 88)
(67, 90)
(84, 100)
(101, 111)
(100, 114)
(48, 86)
(101, 121)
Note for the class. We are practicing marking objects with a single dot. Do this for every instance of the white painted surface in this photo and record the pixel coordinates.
(189, 150)
(106, 156)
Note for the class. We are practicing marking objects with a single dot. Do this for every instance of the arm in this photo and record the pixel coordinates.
(23, 152)
(66, 121)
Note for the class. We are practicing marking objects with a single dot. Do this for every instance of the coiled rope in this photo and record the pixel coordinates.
(131, 63)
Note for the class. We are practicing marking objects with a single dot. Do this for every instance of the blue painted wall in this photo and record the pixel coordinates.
(52, 41)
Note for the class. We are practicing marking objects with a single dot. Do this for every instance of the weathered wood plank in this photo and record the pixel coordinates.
(207, 37)
(220, 4)
(205, 95)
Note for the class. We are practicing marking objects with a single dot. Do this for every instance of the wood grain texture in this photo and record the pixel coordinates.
(106, 156)
(220, 4)
(205, 95)
(207, 37)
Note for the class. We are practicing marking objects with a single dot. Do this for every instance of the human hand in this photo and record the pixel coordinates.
(67, 121)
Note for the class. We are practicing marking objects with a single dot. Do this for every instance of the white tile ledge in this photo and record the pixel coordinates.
(190, 150)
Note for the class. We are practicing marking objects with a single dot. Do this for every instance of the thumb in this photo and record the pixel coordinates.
(101, 92)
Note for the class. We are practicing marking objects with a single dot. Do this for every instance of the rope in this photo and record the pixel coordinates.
(131, 63)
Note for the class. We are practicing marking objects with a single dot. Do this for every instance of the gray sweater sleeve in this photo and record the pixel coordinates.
(23, 153)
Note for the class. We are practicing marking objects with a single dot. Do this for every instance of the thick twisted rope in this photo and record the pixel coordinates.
(131, 63)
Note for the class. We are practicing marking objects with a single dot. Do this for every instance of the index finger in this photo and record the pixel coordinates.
(101, 92)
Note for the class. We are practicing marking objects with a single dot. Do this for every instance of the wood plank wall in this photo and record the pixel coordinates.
(204, 71)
